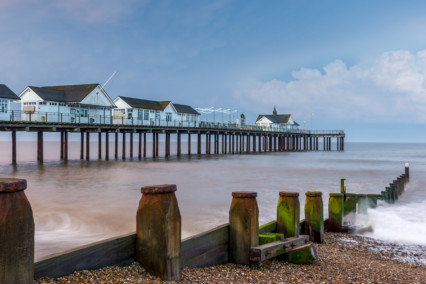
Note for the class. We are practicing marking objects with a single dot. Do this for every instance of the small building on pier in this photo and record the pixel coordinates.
(284, 121)
(7, 96)
(87, 103)
(147, 112)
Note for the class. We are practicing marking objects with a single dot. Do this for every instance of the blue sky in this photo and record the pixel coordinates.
(353, 65)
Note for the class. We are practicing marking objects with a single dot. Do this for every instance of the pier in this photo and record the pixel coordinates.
(218, 138)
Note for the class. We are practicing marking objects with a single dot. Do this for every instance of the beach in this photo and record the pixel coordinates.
(342, 258)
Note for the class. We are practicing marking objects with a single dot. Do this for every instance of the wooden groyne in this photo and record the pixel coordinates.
(218, 139)
(157, 243)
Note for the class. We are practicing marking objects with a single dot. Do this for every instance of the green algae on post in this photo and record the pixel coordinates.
(335, 212)
(288, 214)
(350, 203)
(314, 216)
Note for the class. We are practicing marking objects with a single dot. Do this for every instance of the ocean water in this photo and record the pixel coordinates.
(78, 202)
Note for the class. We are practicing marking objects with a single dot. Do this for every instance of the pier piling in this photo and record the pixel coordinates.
(40, 146)
(82, 145)
(87, 146)
(13, 147)
(106, 146)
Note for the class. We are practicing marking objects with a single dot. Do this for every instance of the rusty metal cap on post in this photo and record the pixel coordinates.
(244, 194)
(159, 189)
(335, 194)
(8, 185)
(313, 193)
(289, 194)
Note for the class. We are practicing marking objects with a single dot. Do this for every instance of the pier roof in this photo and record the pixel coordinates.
(157, 105)
(185, 109)
(6, 93)
(279, 118)
(74, 93)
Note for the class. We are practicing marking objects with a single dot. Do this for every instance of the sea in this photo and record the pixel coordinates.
(79, 202)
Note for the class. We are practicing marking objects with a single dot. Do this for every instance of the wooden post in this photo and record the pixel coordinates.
(288, 214)
(314, 216)
(62, 145)
(407, 171)
(167, 145)
(189, 144)
(82, 146)
(199, 144)
(87, 145)
(233, 143)
(158, 232)
(372, 200)
(275, 143)
(350, 203)
(254, 143)
(13, 147)
(335, 212)
(156, 144)
(131, 145)
(40, 146)
(153, 145)
(123, 147)
(99, 145)
(260, 143)
(140, 146)
(16, 233)
(243, 226)
(144, 144)
(116, 146)
(66, 146)
(178, 144)
(106, 146)
(226, 143)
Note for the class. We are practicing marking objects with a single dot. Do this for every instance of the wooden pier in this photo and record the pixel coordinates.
(218, 139)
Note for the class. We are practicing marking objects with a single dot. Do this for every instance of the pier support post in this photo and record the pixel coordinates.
(288, 214)
(66, 146)
(254, 143)
(140, 146)
(153, 145)
(40, 146)
(82, 146)
(116, 146)
(99, 145)
(199, 144)
(144, 144)
(189, 144)
(106, 146)
(314, 216)
(158, 232)
(178, 144)
(62, 145)
(16, 233)
(335, 212)
(123, 146)
(13, 147)
(156, 144)
(131, 145)
(167, 145)
(243, 226)
(87, 146)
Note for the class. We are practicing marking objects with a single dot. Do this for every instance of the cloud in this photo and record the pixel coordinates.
(391, 88)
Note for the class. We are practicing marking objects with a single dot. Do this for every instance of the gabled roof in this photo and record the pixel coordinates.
(145, 104)
(74, 93)
(185, 109)
(279, 119)
(6, 93)
(49, 94)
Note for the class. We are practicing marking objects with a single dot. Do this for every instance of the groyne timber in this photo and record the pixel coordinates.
(218, 139)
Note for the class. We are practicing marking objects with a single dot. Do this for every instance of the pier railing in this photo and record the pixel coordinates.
(107, 119)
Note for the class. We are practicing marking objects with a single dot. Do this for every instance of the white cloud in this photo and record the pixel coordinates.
(390, 89)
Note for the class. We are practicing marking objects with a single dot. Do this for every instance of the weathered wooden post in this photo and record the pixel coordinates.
(243, 226)
(362, 203)
(350, 203)
(13, 147)
(392, 192)
(314, 216)
(342, 186)
(288, 214)
(335, 212)
(407, 170)
(158, 232)
(372, 200)
(16, 233)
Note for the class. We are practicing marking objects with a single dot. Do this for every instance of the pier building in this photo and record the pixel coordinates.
(275, 120)
(134, 111)
(7, 96)
(88, 103)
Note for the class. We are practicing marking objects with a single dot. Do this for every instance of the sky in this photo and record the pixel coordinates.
(359, 66)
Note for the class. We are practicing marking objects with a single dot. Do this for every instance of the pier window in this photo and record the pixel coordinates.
(146, 115)
(3, 105)
(140, 114)
(168, 116)
(157, 115)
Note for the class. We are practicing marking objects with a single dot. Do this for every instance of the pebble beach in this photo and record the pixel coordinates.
(342, 258)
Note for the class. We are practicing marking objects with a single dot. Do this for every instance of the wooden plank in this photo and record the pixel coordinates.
(266, 251)
(208, 248)
(113, 251)
(270, 227)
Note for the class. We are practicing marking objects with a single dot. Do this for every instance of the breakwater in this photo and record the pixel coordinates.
(119, 249)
